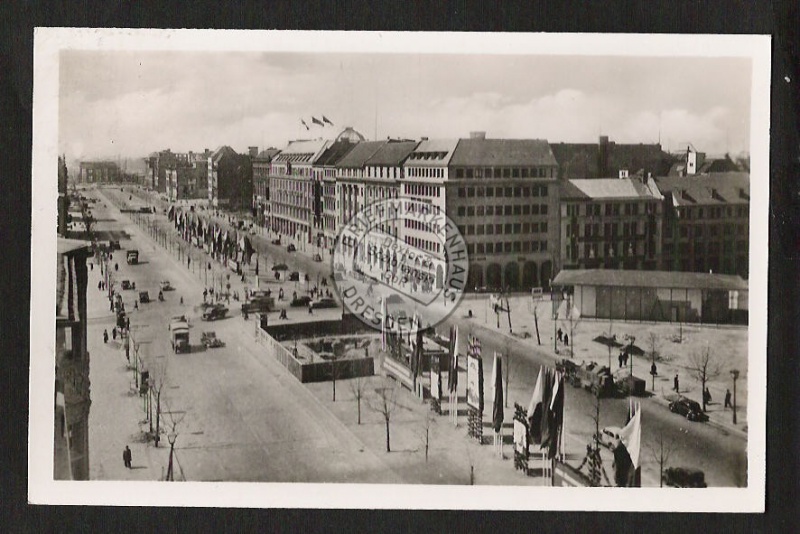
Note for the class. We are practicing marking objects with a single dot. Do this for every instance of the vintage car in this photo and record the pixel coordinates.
(689, 409)
(291, 248)
(166, 286)
(211, 341)
(294, 276)
(215, 312)
(132, 257)
(144, 296)
(276, 241)
(301, 300)
(317, 257)
(684, 477)
(127, 284)
(177, 319)
(609, 437)
(324, 302)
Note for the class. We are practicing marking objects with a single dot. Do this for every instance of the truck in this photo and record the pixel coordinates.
(259, 302)
(179, 332)
(132, 256)
(591, 377)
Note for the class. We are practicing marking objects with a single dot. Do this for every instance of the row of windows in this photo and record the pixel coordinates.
(419, 190)
(614, 250)
(508, 192)
(714, 230)
(713, 212)
(384, 172)
(425, 172)
(412, 224)
(506, 247)
(423, 244)
(505, 172)
(500, 229)
(632, 228)
(615, 209)
(712, 249)
(490, 211)
(278, 184)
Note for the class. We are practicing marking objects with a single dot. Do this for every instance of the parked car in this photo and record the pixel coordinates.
(294, 276)
(166, 286)
(302, 300)
(324, 302)
(144, 296)
(290, 248)
(214, 313)
(276, 241)
(609, 437)
(688, 408)
(684, 477)
(126, 284)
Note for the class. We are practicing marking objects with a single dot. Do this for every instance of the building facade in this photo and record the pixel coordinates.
(610, 223)
(291, 186)
(324, 192)
(92, 172)
(503, 196)
(72, 388)
(706, 223)
(230, 179)
(261, 201)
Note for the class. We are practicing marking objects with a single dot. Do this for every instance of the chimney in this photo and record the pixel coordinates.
(423, 138)
(603, 170)
(253, 151)
(477, 135)
(603, 140)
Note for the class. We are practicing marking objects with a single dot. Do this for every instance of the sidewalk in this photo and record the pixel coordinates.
(730, 341)
(116, 411)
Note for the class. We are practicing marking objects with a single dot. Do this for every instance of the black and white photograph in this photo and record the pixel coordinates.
(399, 270)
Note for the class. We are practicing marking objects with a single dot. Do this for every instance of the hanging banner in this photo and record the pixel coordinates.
(436, 378)
(474, 374)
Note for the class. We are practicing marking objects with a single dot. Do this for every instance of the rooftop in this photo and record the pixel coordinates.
(707, 189)
(606, 188)
(335, 152)
(357, 158)
(432, 153)
(663, 279)
(68, 246)
(505, 152)
(392, 153)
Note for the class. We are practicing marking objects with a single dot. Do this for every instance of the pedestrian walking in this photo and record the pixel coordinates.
(566, 339)
(653, 369)
(619, 358)
(728, 399)
(114, 333)
(676, 383)
(707, 395)
(100, 285)
(127, 457)
(91, 266)
(105, 336)
(205, 294)
(560, 335)
(116, 266)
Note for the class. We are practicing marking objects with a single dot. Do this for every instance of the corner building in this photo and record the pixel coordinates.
(503, 196)
(611, 223)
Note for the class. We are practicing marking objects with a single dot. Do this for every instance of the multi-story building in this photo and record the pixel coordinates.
(607, 159)
(611, 223)
(350, 174)
(291, 189)
(63, 197)
(230, 179)
(157, 165)
(261, 203)
(324, 190)
(503, 196)
(72, 399)
(99, 172)
(706, 222)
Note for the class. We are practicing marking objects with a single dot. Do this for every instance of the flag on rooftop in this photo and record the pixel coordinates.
(304, 123)
(325, 119)
(317, 121)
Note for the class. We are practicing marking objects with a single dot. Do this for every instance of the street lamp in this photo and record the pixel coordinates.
(171, 437)
(735, 375)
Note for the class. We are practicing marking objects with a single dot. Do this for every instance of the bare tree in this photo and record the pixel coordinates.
(653, 343)
(703, 368)
(427, 427)
(573, 319)
(357, 387)
(175, 418)
(385, 405)
(536, 323)
(158, 379)
(661, 451)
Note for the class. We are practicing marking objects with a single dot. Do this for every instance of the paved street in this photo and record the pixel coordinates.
(246, 418)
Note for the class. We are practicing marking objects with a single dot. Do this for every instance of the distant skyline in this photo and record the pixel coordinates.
(130, 103)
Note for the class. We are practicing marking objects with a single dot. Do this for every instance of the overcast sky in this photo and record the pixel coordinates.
(132, 103)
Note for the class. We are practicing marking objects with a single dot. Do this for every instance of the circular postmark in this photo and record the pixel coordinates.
(400, 264)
